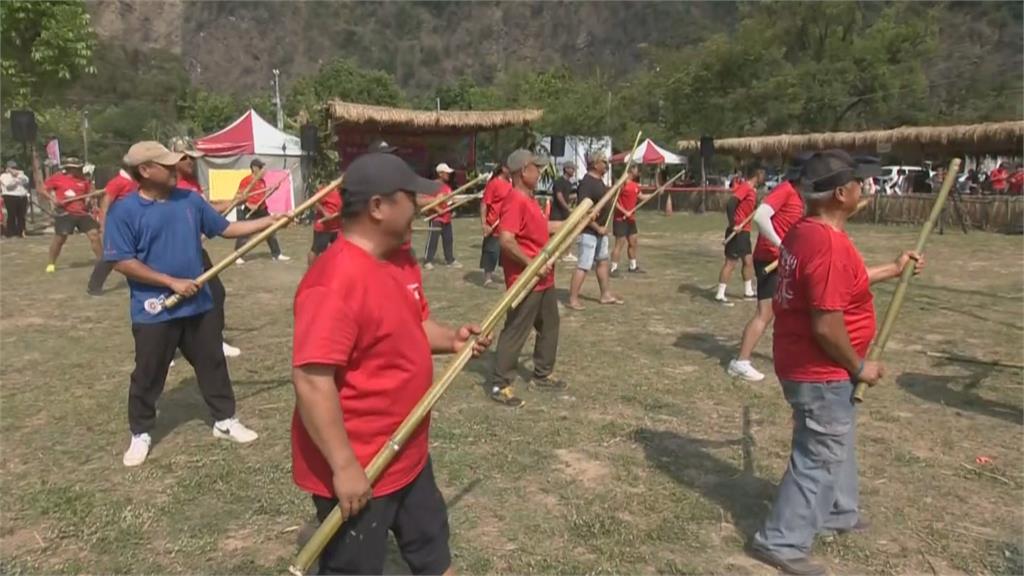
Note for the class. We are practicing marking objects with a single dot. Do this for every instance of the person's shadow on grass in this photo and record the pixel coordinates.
(944, 390)
(739, 492)
(712, 346)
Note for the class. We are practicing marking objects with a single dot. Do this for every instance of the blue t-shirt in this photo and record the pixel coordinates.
(166, 236)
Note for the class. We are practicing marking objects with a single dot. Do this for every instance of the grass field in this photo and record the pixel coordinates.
(653, 461)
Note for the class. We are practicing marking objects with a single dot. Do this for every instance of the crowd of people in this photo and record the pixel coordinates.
(364, 333)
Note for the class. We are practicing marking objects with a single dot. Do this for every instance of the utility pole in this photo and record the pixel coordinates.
(85, 136)
(277, 99)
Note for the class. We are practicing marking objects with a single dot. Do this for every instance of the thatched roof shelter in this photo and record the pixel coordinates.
(910, 141)
(385, 119)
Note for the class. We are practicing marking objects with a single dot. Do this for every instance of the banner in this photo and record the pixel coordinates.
(53, 152)
(224, 185)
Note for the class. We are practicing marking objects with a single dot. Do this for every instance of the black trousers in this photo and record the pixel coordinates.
(17, 207)
(199, 339)
(242, 213)
(444, 231)
(490, 253)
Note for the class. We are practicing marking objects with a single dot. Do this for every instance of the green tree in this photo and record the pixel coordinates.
(344, 80)
(45, 47)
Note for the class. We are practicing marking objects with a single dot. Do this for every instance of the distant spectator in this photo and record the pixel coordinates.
(973, 182)
(14, 189)
(1000, 179)
(1017, 181)
(899, 183)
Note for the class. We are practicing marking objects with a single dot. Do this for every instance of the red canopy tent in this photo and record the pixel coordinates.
(649, 153)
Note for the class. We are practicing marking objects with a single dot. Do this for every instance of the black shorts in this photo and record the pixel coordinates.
(416, 514)
(766, 281)
(322, 240)
(623, 228)
(739, 246)
(490, 252)
(66, 224)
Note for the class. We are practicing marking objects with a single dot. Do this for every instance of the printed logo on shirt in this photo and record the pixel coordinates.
(784, 288)
(415, 289)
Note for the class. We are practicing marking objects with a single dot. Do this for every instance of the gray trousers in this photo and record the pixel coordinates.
(819, 490)
(538, 311)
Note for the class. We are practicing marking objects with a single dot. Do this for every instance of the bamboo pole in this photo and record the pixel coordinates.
(155, 305)
(446, 197)
(94, 194)
(739, 228)
(453, 206)
(660, 189)
(329, 218)
(860, 206)
(315, 545)
(245, 193)
(889, 321)
(623, 178)
(266, 197)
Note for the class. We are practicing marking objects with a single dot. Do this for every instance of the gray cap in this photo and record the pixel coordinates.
(378, 174)
(569, 164)
(595, 156)
(828, 170)
(522, 158)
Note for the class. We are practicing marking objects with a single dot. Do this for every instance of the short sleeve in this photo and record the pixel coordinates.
(828, 279)
(211, 222)
(326, 327)
(119, 236)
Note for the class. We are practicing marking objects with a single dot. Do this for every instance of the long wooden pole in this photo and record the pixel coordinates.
(453, 206)
(660, 189)
(174, 299)
(860, 206)
(889, 321)
(266, 197)
(739, 227)
(245, 193)
(446, 197)
(622, 179)
(315, 545)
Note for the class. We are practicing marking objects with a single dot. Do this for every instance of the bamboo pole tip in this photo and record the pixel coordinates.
(295, 571)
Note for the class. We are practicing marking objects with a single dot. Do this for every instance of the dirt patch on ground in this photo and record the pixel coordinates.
(582, 468)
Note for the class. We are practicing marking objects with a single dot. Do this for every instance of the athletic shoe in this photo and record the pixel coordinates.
(455, 264)
(615, 273)
(239, 261)
(50, 268)
(137, 450)
(232, 429)
(171, 365)
(428, 266)
(549, 383)
(282, 258)
(637, 270)
(750, 296)
(506, 396)
(797, 566)
(744, 369)
(723, 301)
(230, 351)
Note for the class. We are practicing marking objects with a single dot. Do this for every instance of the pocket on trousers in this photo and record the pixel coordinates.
(827, 415)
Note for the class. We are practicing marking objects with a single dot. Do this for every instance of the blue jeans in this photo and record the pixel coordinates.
(819, 490)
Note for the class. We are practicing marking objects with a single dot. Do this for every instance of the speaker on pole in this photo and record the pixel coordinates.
(310, 138)
(707, 147)
(23, 125)
(557, 146)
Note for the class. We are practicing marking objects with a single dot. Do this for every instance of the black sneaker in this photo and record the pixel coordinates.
(615, 273)
(92, 292)
(550, 384)
(506, 396)
(637, 270)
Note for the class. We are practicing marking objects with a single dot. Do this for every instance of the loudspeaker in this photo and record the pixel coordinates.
(557, 146)
(310, 138)
(707, 147)
(23, 125)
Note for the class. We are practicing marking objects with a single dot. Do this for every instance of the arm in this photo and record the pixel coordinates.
(830, 333)
(249, 227)
(730, 211)
(511, 247)
(316, 399)
(555, 226)
(560, 198)
(104, 206)
(763, 221)
(895, 268)
(134, 269)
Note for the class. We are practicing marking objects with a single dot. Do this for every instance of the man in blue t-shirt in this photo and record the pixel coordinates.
(154, 237)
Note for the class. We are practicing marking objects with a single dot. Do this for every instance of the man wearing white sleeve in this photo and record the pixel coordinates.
(779, 210)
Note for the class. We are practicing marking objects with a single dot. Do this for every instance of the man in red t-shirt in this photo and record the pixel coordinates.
(254, 207)
(326, 225)
(824, 326)
(523, 232)
(65, 190)
(779, 210)
(1000, 179)
(624, 223)
(441, 225)
(490, 209)
(1017, 181)
(361, 361)
(737, 249)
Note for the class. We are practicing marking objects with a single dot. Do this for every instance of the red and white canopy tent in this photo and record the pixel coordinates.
(228, 152)
(649, 153)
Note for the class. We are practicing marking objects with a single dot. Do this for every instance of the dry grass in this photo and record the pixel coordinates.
(382, 116)
(652, 461)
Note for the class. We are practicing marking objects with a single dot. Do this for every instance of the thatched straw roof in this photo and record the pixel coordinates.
(987, 138)
(347, 113)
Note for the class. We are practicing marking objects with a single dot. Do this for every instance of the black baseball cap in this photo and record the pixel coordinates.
(830, 169)
(795, 165)
(381, 146)
(379, 174)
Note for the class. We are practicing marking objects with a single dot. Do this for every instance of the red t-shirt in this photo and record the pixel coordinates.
(355, 312)
(257, 193)
(445, 218)
(1017, 182)
(789, 207)
(494, 192)
(65, 187)
(411, 275)
(627, 201)
(746, 199)
(120, 186)
(329, 206)
(819, 269)
(191, 184)
(999, 178)
(522, 216)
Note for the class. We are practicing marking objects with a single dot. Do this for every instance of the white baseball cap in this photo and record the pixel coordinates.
(443, 167)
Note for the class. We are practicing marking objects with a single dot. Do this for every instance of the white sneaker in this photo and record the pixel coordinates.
(137, 450)
(428, 266)
(744, 369)
(239, 261)
(751, 296)
(232, 429)
(455, 264)
(171, 365)
(723, 300)
(230, 351)
(282, 258)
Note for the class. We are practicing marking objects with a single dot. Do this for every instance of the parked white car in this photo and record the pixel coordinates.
(887, 182)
